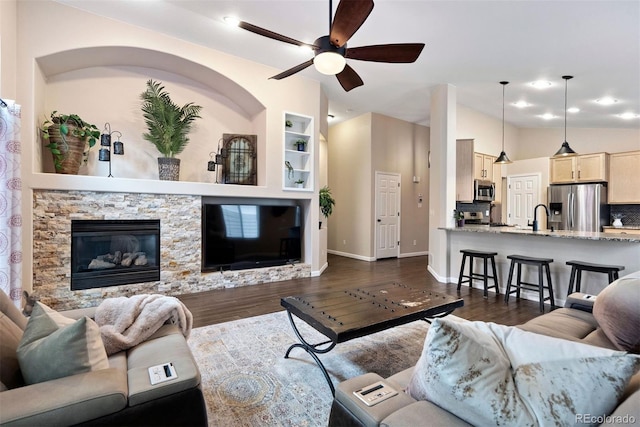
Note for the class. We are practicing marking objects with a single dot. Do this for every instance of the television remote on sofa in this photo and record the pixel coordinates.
(375, 393)
(162, 373)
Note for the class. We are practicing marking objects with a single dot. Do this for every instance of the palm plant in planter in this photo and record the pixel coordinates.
(326, 202)
(69, 139)
(168, 127)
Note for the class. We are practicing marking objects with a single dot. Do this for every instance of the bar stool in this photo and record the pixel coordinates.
(477, 276)
(542, 264)
(577, 267)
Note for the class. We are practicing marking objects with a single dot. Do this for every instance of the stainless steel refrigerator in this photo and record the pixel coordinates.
(578, 207)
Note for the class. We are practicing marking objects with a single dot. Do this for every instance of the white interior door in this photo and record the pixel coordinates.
(523, 194)
(387, 214)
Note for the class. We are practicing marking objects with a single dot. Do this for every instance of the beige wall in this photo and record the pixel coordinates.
(8, 57)
(402, 147)
(486, 131)
(349, 162)
(538, 142)
(357, 149)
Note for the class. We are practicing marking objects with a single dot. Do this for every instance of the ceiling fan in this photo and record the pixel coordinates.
(331, 52)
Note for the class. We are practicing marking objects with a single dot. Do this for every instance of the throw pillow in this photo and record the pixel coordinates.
(617, 311)
(10, 335)
(489, 374)
(48, 351)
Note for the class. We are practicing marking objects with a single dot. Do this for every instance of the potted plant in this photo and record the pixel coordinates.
(300, 144)
(459, 217)
(299, 183)
(168, 127)
(327, 202)
(69, 139)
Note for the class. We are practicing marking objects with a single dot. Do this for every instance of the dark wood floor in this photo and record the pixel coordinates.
(231, 304)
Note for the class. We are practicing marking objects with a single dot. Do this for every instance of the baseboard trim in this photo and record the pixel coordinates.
(319, 272)
(348, 255)
(413, 254)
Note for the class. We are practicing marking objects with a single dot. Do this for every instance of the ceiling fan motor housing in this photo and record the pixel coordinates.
(323, 44)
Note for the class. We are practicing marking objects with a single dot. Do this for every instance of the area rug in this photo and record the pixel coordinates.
(247, 381)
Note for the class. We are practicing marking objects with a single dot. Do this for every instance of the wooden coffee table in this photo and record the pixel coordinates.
(347, 314)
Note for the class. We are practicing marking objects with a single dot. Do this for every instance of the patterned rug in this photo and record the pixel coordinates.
(247, 381)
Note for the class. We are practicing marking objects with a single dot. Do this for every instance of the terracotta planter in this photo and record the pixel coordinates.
(71, 150)
(169, 168)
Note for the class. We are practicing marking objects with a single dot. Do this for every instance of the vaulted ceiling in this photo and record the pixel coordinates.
(472, 45)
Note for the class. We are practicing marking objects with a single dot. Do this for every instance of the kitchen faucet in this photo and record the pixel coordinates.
(535, 216)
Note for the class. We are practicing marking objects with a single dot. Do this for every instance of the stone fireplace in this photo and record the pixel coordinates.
(180, 246)
(114, 252)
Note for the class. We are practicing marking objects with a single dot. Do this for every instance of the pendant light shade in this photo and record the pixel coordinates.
(503, 158)
(565, 150)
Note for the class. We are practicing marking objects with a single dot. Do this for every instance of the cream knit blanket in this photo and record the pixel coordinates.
(127, 321)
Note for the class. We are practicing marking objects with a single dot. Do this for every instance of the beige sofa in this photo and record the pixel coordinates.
(575, 322)
(120, 394)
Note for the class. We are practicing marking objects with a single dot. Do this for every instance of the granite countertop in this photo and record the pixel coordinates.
(563, 234)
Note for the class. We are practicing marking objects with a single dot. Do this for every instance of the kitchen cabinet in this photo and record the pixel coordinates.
(632, 231)
(464, 170)
(470, 166)
(624, 178)
(298, 152)
(483, 166)
(583, 168)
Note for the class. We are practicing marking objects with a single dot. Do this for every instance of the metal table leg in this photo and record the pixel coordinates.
(313, 350)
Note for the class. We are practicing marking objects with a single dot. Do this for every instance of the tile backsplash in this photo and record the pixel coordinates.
(630, 214)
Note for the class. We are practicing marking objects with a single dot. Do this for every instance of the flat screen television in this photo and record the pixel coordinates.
(237, 236)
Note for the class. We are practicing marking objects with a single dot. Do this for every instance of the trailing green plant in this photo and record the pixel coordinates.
(299, 181)
(68, 125)
(300, 141)
(327, 202)
(168, 124)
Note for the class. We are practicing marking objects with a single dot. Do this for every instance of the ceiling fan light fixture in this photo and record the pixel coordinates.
(329, 63)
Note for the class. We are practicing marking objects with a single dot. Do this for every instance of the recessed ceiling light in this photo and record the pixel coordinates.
(607, 100)
(573, 110)
(230, 20)
(547, 116)
(541, 84)
(305, 48)
(522, 104)
(629, 116)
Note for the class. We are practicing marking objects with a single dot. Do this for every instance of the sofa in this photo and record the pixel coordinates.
(608, 322)
(115, 392)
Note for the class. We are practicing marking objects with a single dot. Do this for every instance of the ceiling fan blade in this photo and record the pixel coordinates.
(293, 70)
(270, 34)
(395, 53)
(349, 79)
(350, 15)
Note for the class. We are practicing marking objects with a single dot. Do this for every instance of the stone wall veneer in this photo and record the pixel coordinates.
(180, 247)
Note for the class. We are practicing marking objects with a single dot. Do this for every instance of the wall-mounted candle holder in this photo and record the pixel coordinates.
(217, 158)
(104, 155)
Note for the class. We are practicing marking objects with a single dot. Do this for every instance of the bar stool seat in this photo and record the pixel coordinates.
(484, 276)
(543, 266)
(577, 267)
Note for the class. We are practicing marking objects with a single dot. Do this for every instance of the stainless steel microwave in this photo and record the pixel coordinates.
(483, 191)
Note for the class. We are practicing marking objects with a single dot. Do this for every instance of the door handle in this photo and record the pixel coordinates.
(379, 220)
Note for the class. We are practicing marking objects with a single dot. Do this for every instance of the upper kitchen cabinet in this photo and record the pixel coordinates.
(470, 166)
(483, 166)
(624, 178)
(583, 168)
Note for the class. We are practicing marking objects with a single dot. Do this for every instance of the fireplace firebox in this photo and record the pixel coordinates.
(114, 252)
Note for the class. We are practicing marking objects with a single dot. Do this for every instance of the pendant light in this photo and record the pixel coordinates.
(502, 158)
(565, 150)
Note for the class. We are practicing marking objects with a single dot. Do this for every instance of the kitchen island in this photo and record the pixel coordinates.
(562, 246)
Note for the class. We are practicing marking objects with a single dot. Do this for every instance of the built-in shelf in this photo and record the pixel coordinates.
(298, 160)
